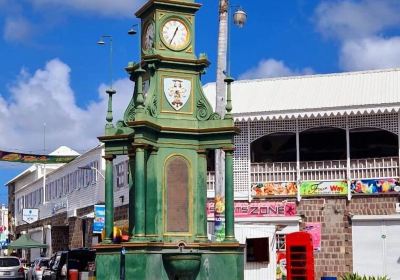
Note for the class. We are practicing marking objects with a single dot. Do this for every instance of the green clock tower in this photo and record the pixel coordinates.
(167, 131)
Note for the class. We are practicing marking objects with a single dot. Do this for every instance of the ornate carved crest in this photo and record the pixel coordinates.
(177, 91)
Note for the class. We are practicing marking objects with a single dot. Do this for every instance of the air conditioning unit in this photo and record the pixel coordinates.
(398, 207)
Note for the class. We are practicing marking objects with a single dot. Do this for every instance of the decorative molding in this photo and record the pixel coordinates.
(152, 107)
(203, 112)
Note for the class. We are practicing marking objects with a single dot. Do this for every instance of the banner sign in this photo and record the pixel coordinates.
(258, 209)
(219, 215)
(262, 190)
(99, 218)
(323, 188)
(315, 230)
(375, 186)
(32, 158)
(30, 215)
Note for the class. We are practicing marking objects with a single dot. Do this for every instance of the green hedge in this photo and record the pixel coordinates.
(356, 276)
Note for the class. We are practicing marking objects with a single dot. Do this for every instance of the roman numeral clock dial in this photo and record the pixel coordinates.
(148, 37)
(175, 34)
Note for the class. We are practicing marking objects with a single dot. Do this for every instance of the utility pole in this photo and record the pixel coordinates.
(219, 214)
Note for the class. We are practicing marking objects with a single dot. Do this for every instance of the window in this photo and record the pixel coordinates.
(280, 242)
(127, 172)
(120, 174)
(59, 188)
(257, 249)
(47, 192)
(65, 184)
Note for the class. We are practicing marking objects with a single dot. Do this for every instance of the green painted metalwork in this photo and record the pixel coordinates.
(109, 199)
(229, 202)
(139, 193)
(169, 118)
(131, 184)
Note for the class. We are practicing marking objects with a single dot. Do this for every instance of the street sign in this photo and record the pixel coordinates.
(30, 215)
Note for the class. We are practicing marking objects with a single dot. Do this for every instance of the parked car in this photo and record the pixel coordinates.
(80, 259)
(35, 271)
(11, 268)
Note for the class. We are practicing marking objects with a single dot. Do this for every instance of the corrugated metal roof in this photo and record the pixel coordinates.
(373, 91)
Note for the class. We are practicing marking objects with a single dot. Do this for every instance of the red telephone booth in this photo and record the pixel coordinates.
(299, 256)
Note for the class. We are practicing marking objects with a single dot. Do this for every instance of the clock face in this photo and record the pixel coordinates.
(148, 38)
(175, 34)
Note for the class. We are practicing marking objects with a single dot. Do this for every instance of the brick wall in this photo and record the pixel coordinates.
(121, 213)
(334, 214)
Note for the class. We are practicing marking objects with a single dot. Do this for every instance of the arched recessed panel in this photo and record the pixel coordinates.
(323, 143)
(275, 147)
(177, 194)
(372, 143)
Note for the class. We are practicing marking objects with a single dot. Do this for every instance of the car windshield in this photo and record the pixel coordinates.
(44, 263)
(7, 262)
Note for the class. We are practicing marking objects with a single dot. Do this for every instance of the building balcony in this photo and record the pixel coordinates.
(277, 174)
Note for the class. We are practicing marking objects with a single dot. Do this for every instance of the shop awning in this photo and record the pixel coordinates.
(25, 242)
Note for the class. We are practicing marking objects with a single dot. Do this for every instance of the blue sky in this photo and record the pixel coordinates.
(53, 72)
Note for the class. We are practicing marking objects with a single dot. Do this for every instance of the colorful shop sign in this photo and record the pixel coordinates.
(315, 230)
(258, 209)
(375, 186)
(323, 188)
(31, 158)
(268, 189)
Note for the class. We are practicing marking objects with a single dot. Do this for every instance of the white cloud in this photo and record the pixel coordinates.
(370, 53)
(268, 68)
(356, 19)
(359, 26)
(46, 97)
(107, 8)
(17, 29)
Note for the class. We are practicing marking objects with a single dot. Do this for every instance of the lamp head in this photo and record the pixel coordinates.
(132, 31)
(239, 17)
(101, 41)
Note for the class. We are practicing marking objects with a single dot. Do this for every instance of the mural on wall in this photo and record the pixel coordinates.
(262, 190)
(374, 186)
(258, 209)
(281, 273)
(323, 188)
(315, 230)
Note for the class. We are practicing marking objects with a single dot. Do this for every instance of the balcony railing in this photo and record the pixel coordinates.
(329, 170)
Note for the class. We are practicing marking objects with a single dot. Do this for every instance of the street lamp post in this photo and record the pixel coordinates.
(110, 91)
(223, 76)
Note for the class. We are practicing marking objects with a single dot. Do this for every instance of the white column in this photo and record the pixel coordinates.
(249, 161)
(44, 184)
(298, 160)
(398, 137)
(348, 158)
